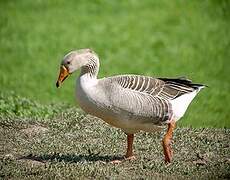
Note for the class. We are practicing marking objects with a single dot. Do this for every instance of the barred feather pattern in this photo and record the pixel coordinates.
(152, 92)
(156, 87)
(92, 67)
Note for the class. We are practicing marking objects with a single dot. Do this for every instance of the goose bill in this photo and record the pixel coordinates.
(64, 73)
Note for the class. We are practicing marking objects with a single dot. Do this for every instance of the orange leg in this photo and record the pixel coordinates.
(129, 153)
(166, 142)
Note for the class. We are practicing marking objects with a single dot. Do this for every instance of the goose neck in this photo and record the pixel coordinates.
(91, 69)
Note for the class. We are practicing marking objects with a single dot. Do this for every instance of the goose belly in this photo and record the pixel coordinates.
(127, 121)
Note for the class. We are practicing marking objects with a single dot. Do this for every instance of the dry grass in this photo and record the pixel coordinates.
(73, 145)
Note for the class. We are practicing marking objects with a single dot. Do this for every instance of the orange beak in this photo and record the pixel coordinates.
(64, 73)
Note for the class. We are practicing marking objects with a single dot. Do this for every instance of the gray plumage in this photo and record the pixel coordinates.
(130, 102)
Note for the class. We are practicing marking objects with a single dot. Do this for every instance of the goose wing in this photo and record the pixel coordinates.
(164, 88)
(145, 98)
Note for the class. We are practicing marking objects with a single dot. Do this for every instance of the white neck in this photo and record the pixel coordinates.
(87, 78)
(87, 81)
(88, 75)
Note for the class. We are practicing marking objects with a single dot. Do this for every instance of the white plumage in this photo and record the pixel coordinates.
(129, 102)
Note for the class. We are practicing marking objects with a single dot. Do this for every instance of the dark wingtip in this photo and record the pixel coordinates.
(199, 85)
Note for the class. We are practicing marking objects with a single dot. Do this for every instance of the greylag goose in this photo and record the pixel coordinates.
(131, 102)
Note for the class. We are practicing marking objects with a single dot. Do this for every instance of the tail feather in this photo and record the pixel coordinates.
(184, 81)
(199, 86)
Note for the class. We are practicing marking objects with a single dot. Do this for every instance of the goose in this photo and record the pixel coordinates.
(132, 103)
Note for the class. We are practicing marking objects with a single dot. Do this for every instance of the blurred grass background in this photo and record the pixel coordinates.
(157, 38)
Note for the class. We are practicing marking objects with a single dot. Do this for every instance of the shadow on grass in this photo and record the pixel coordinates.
(70, 158)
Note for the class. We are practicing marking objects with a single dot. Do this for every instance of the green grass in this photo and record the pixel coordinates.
(44, 136)
(69, 144)
(155, 38)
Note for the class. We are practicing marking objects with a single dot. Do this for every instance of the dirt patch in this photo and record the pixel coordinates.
(33, 130)
(31, 160)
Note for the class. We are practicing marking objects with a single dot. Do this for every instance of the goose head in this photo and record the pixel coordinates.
(73, 61)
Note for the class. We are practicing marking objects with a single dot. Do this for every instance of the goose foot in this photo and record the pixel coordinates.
(129, 153)
(118, 161)
(131, 158)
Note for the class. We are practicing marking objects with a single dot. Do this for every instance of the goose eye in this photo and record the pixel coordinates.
(68, 62)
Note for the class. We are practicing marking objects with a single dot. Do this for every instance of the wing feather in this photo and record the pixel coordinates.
(164, 88)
